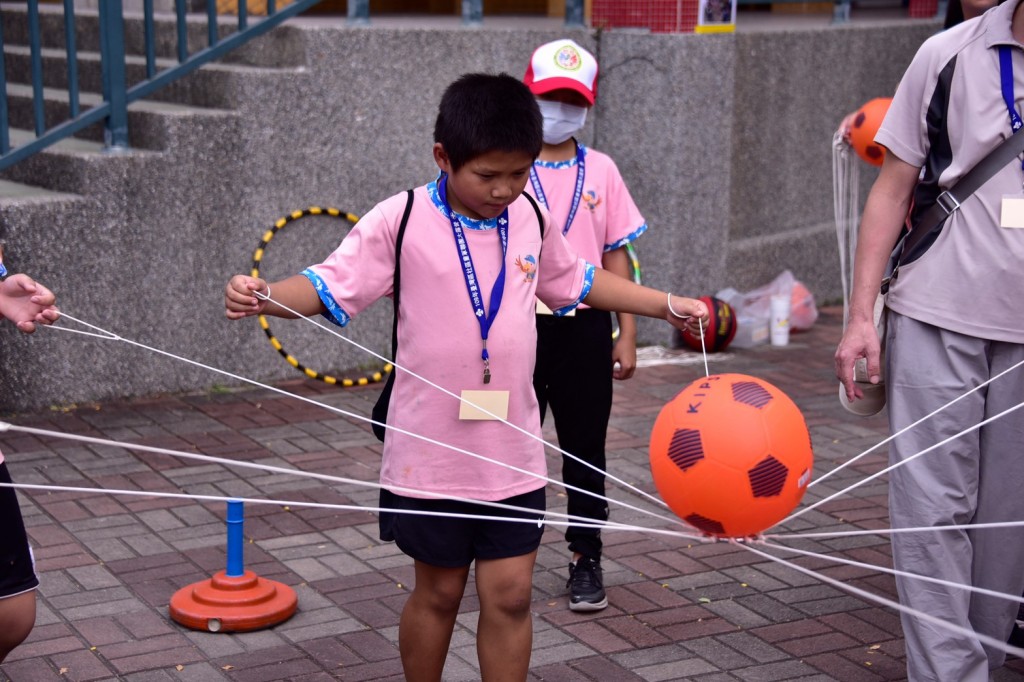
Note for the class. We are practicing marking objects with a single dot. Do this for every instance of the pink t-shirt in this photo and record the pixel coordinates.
(439, 337)
(606, 217)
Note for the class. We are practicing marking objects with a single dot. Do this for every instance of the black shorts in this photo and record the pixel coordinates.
(451, 542)
(17, 569)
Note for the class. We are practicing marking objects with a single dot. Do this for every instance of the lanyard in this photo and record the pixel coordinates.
(577, 193)
(469, 272)
(1006, 83)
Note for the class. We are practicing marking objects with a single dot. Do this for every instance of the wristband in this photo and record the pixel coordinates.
(668, 298)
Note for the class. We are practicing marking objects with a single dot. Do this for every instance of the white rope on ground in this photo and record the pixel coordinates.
(569, 520)
(911, 458)
(878, 599)
(654, 356)
(903, 574)
(104, 334)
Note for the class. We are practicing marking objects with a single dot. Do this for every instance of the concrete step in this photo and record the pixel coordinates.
(212, 85)
(283, 47)
(151, 123)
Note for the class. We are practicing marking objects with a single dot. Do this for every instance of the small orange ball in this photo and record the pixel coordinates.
(731, 455)
(863, 128)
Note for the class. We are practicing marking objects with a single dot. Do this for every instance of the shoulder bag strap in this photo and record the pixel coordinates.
(950, 200)
(397, 281)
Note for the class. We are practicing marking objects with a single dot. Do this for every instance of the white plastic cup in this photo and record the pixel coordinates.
(780, 319)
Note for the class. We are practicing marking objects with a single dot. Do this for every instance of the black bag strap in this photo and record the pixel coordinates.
(397, 281)
(398, 265)
(949, 201)
(536, 209)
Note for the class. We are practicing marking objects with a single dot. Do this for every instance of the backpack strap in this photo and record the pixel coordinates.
(397, 281)
(536, 209)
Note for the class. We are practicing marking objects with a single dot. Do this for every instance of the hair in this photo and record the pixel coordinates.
(480, 113)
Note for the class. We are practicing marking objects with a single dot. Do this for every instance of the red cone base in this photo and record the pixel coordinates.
(233, 604)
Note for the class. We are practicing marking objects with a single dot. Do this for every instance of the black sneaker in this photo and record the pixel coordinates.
(586, 586)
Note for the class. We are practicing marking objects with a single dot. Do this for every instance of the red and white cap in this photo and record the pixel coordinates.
(562, 64)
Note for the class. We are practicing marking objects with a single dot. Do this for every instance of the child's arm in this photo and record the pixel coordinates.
(611, 292)
(624, 351)
(296, 292)
(26, 303)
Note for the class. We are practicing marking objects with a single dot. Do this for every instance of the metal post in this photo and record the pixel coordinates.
(112, 65)
(36, 66)
(472, 12)
(72, 52)
(236, 519)
(358, 12)
(841, 11)
(574, 13)
(5, 124)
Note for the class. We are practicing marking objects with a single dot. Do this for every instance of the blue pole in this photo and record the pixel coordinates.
(235, 568)
(35, 47)
(112, 65)
(72, 52)
(472, 12)
(574, 13)
(358, 12)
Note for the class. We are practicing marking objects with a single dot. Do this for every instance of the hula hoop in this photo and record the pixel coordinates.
(635, 274)
(257, 259)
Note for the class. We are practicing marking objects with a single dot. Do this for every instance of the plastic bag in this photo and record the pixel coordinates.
(756, 304)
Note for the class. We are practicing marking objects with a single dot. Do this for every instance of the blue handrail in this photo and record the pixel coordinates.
(117, 95)
(113, 110)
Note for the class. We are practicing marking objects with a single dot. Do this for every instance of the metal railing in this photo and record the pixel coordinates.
(117, 95)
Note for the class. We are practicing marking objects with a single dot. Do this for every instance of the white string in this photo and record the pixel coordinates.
(900, 463)
(114, 337)
(917, 423)
(890, 531)
(444, 390)
(903, 574)
(570, 520)
(846, 203)
(952, 627)
(4, 426)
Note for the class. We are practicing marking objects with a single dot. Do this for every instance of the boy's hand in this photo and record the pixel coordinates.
(860, 340)
(623, 358)
(687, 313)
(26, 303)
(239, 298)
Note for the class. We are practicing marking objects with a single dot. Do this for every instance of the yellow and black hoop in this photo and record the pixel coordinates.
(257, 259)
(635, 275)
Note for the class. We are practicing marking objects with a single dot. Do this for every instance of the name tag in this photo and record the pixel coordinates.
(495, 402)
(544, 310)
(1012, 211)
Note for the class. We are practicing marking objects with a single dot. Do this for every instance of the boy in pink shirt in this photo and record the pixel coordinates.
(576, 360)
(475, 256)
(26, 304)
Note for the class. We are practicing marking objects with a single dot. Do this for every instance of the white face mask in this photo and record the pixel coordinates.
(561, 121)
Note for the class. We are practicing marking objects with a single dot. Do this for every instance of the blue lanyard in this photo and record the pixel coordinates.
(469, 272)
(1006, 82)
(577, 194)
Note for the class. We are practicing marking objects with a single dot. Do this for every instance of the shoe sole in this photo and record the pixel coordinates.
(588, 606)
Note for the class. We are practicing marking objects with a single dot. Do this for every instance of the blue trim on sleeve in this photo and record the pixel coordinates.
(588, 281)
(334, 313)
(627, 239)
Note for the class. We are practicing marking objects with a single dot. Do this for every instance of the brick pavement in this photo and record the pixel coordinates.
(679, 610)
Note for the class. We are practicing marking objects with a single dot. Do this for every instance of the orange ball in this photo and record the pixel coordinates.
(731, 455)
(863, 128)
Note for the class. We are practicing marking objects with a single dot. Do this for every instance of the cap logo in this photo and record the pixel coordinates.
(568, 58)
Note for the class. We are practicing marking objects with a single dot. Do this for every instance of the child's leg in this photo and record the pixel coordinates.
(505, 632)
(17, 616)
(428, 619)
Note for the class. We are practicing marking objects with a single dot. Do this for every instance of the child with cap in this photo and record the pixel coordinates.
(26, 303)
(474, 258)
(576, 357)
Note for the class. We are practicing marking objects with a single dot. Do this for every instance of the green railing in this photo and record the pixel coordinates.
(117, 95)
